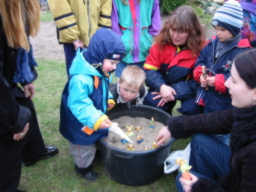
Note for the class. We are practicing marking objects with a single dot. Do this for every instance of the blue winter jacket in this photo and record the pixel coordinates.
(217, 98)
(83, 100)
(82, 104)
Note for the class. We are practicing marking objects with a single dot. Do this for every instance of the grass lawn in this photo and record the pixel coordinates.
(57, 174)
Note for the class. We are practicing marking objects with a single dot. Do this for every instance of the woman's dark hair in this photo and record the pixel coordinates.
(183, 19)
(246, 67)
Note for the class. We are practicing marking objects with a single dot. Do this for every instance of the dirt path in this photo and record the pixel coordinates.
(45, 44)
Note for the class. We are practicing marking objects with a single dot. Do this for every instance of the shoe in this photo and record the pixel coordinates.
(87, 173)
(50, 151)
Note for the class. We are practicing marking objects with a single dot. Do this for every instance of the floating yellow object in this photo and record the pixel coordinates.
(154, 145)
(130, 147)
(138, 128)
(184, 168)
(129, 128)
(139, 137)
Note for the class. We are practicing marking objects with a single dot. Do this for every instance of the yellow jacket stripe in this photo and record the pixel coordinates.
(79, 19)
(150, 67)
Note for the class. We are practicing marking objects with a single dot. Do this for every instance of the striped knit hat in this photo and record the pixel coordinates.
(230, 13)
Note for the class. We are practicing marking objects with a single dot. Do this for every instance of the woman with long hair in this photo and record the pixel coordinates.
(20, 137)
(172, 57)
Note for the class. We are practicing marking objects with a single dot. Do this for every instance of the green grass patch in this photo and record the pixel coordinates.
(46, 16)
(57, 174)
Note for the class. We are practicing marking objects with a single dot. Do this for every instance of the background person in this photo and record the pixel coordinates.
(77, 21)
(171, 60)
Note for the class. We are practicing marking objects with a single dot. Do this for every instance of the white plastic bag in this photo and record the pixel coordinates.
(170, 164)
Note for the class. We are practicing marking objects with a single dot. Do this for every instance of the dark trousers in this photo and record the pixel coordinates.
(10, 165)
(70, 52)
(34, 146)
(12, 153)
(209, 158)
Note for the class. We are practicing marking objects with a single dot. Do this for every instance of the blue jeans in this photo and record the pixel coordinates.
(120, 67)
(70, 53)
(209, 158)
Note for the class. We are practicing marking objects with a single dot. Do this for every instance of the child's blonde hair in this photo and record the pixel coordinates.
(133, 75)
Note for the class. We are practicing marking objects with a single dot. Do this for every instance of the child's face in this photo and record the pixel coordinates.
(127, 92)
(178, 37)
(223, 34)
(109, 65)
(241, 95)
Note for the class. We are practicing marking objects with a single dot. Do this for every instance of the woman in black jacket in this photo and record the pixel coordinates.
(216, 167)
(20, 137)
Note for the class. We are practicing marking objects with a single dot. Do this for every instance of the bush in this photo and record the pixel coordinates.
(167, 6)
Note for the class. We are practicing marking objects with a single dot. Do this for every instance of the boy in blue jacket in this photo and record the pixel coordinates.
(215, 60)
(86, 97)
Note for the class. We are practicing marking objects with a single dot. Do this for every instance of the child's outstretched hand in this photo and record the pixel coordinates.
(105, 124)
(187, 184)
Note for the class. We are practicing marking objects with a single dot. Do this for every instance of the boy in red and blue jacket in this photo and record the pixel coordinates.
(217, 58)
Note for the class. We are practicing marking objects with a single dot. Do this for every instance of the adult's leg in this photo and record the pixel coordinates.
(34, 148)
(69, 52)
(35, 145)
(10, 165)
(209, 157)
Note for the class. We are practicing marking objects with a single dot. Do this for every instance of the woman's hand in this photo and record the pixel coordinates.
(29, 90)
(19, 136)
(187, 184)
(105, 124)
(163, 135)
(167, 93)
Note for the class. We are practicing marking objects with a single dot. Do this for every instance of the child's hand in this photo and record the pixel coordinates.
(203, 81)
(105, 124)
(167, 93)
(111, 106)
(211, 81)
(187, 184)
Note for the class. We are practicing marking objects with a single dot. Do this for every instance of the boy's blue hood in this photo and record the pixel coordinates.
(81, 66)
(103, 45)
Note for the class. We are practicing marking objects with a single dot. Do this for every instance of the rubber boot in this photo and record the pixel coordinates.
(87, 173)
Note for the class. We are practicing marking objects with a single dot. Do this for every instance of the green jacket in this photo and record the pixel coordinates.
(79, 19)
